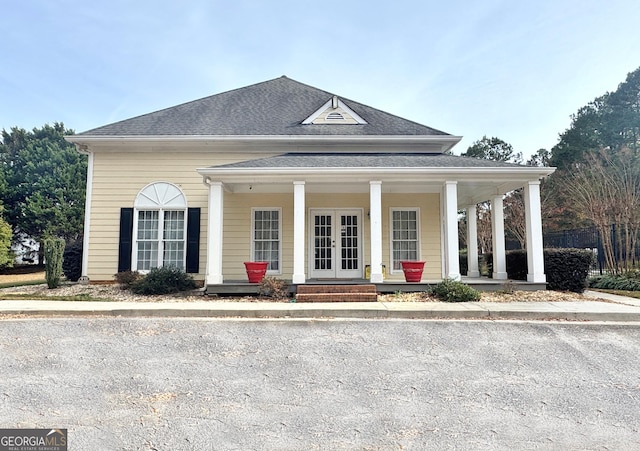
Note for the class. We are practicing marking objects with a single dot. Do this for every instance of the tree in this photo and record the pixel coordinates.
(611, 124)
(611, 121)
(498, 150)
(606, 189)
(493, 149)
(45, 182)
(6, 256)
(541, 158)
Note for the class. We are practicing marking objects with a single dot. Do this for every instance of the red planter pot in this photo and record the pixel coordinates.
(256, 271)
(412, 270)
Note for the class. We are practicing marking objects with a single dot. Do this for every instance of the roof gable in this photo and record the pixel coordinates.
(278, 107)
(334, 112)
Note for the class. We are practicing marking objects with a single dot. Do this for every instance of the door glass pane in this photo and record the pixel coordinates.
(349, 242)
(323, 251)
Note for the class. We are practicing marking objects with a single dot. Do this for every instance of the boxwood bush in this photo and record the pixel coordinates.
(165, 280)
(566, 269)
(453, 291)
(464, 263)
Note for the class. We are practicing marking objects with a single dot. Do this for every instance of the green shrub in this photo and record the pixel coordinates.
(453, 291)
(273, 287)
(53, 255)
(464, 262)
(165, 280)
(629, 281)
(517, 266)
(127, 278)
(567, 269)
(516, 262)
(72, 261)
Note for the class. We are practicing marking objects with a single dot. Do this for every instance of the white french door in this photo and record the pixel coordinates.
(336, 244)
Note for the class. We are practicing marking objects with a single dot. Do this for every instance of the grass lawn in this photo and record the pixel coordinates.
(629, 294)
(33, 275)
(22, 275)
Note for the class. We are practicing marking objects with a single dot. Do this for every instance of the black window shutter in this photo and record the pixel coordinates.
(125, 245)
(193, 240)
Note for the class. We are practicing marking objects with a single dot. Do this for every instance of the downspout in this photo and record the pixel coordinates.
(84, 150)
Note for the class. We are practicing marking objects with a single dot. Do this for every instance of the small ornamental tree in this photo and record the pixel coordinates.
(53, 255)
(6, 255)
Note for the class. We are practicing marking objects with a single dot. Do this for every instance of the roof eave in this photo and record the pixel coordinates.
(447, 141)
(388, 173)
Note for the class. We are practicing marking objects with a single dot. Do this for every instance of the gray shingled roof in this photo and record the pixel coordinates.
(273, 108)
(364, 160)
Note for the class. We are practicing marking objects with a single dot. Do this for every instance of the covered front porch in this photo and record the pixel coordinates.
(369, 188)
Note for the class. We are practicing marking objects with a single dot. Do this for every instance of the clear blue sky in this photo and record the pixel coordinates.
(515, 70)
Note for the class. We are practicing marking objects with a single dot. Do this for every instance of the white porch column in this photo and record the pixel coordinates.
(497, 238)
(375, 217)
(534, 244)
(299, 215)
(215, 235)
(451, 243)
(472, 242)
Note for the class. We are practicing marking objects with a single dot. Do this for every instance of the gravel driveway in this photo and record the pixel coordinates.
(185, 384)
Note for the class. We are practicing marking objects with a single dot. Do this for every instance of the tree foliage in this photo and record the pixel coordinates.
(606, 188)
(611, 121)
(542, 158)
(493, 149)
(609, 125)
(498, 150)
(6, 235)
(45, 182)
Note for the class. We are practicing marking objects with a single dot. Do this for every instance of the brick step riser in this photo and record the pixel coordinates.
(337, 297)
(320, 289)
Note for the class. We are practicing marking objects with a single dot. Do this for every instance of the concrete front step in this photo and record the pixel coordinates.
(336, 293)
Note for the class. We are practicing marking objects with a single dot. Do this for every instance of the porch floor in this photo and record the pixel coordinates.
(242, 287)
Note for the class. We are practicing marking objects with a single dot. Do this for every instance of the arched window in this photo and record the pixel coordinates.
(159, 228)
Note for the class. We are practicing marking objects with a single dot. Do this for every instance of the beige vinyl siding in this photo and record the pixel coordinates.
(347, 118)
(237, 232)
(237, 228)
(430, 245)
(117, 179)
(119, 176)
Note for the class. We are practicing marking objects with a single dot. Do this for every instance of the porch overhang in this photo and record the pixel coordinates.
(475, 185)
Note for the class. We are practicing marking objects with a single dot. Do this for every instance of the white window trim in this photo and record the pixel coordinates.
(160, 210)
(418, 232)
(270, 272)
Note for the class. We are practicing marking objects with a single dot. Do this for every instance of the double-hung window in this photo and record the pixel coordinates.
(159, 227)
(266, 237)
(405, 242)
